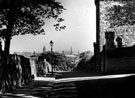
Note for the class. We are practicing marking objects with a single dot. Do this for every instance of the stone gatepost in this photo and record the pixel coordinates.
(109, 36)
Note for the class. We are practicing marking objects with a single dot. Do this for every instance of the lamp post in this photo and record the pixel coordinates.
(51, 45)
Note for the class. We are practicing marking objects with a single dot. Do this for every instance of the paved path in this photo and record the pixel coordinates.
(108, 86)
(39, 88)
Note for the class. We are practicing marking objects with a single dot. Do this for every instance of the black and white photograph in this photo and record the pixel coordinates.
(67, 48)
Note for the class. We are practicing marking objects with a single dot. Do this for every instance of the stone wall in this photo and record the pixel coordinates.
(119, 60)
(18, 72)
(120, 65)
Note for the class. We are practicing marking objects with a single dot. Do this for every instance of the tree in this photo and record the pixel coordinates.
(123, 14)
(118, 16)
(122, 18)
(26, 17)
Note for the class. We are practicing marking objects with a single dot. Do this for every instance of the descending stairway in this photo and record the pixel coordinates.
(64, 90)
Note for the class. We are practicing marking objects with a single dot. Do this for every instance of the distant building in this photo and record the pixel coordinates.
(44, 49)
(78, 52)
(25, 54)
(71, 58)
(63, 52)
(71, 51)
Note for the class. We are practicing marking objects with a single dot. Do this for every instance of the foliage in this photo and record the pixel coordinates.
(27, 16)
(118, 16)
(85, 63)
(123, 14)
(60, 61)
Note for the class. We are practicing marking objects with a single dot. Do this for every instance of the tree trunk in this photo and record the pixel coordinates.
(5, 58)
(5, 85)
(10, 18)
(7, 41)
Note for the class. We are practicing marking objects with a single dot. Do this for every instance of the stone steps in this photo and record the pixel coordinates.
(64, 90)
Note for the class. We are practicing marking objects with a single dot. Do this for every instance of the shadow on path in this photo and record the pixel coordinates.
(37, 89)
(73, 74)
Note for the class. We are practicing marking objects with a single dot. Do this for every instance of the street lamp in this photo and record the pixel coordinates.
(51, 45)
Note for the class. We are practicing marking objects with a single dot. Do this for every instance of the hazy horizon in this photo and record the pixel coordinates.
(80, 32)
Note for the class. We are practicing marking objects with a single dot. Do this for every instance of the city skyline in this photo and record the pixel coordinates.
(68, 51)
(80, 32)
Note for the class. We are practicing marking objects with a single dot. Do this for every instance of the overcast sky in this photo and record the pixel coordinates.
(80, 32)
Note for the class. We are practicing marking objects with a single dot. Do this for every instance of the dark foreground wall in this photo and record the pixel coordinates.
(120, 65)
(18, 72)
(107, 88)
(119, 60)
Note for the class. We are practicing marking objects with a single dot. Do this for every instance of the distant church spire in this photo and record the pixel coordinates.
(63, 52)
(71, 52)
(44, 49)
(78, 52)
